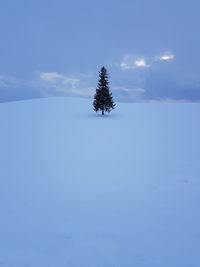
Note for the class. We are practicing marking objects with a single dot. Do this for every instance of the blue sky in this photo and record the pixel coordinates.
(56, 48)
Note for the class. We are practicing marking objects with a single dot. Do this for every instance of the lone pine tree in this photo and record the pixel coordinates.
(103, 98)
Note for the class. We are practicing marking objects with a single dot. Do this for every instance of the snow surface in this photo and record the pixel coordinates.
(82, 190)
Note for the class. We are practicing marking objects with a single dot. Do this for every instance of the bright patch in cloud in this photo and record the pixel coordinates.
(141, 63)
(167, 56)
(129, 62)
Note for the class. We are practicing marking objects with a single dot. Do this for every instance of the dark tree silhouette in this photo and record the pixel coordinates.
(103, 98)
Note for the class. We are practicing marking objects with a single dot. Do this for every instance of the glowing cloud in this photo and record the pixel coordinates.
(167, 56)
(141, 63)
(129, 62)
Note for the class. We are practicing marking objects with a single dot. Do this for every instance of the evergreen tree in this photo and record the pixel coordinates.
(103, 98)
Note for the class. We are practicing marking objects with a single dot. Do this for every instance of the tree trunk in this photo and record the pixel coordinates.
(102, 112)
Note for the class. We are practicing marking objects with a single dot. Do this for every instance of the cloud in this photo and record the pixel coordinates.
(130, 62)
(59, 81)
(139, 90)
(167, 56)
(128, 94)
(159, 84)
(54, 77)
(54, 83)
(167, 100)
(8, 81)
(2, 82)
(138, 95)
(141, 63)
(128, 89)
(46, 84)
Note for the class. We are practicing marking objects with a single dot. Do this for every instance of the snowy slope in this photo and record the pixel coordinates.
(82, 190)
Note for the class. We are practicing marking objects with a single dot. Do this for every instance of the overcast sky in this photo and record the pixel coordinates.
(56, 48)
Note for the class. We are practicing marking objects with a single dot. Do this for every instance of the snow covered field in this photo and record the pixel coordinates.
(82, 190)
